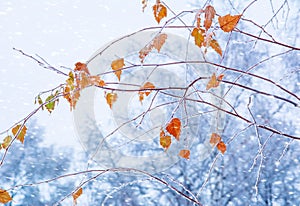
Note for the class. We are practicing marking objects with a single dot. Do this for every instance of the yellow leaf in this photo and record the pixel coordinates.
(22, 133)
(165, 141)
(159, 41)
(215, 45)
(76, 195)
(174, 128)
(209, 15)
(228, 22)
(159, 11)
(185, 153)
(221, 146)
(214, 81)
(147, 85)
(4, 197)
(197, 33)
(6, 142)
(214, 139)
(111, 98)
(117, 65)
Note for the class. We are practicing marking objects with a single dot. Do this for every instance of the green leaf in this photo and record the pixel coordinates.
(50, 106)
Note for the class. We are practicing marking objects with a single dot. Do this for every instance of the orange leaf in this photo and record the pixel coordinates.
(215, 45)
(214, 81)
(184, 153)
(116, 65)
(159, 11)
(174, 128)
(111, 98)
(197, 33)
(6, 142)
(214, 139)
(147, 85)
(22, 133)
(97, 81)
(76, 195)
(84, 80)
(159, 41)
(4, 197)
(228, 22)
(221, 146)
(81, 67)
(209, 15)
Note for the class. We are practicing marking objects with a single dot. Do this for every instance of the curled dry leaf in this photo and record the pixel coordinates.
(174, 128)
(198, 35)
(117, 65)
(214, 81)
(111, 98)
(159, 11)
(4, 197)
(156, 43)
(97, 81)
(185, 153)
(228, 22)
(221, 146)
(22, 133)
(165, 141)
(209, 16)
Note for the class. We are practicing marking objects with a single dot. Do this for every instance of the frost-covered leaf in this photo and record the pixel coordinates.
(81, 67)
(165, 141)
(159, 41)
(144, 2)
(209, 16)
(147, 85)
(77, 194)
(215, 45)
(214, 81)
(214, 139)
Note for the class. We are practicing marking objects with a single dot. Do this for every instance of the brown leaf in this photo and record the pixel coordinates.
(81, 67)
(144, 2)
(209, 15)
(111, 98)
(198, 35)
(214, 139)
(174, 128)
(159, 11)
(228, 22)
(4, 197)
(144, 52)
(22, 133)
(184, 153)
(221, 146)
(6, 142)
(159, 41)
(117, 65)
(215, 45)
(77, 194)
(214, 81)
